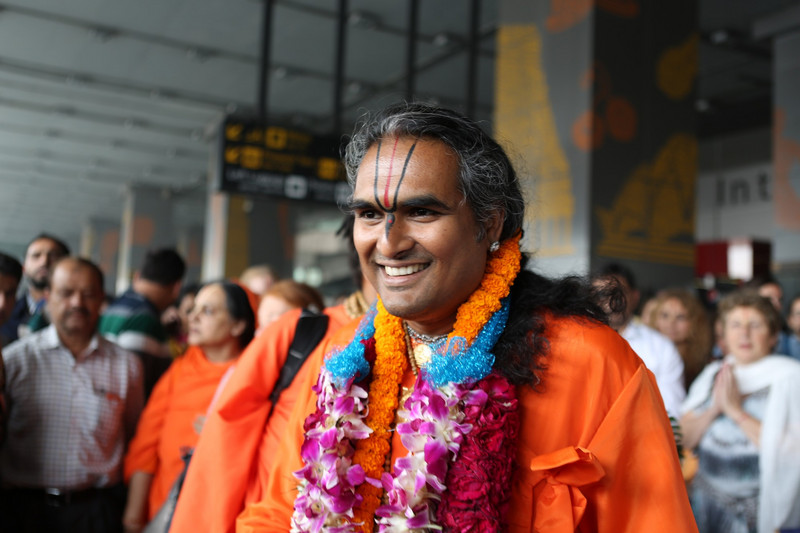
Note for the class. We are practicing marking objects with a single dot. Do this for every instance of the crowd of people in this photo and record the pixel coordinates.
(454, 389)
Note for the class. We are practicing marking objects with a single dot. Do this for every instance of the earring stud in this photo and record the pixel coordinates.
(494, 246)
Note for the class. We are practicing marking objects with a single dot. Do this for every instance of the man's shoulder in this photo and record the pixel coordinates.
(641, 334)
(130, 303)
(35, 342)
(585, 343)
(116, 352)
(131, 312)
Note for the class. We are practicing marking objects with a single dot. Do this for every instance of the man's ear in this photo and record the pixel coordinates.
(494, 226)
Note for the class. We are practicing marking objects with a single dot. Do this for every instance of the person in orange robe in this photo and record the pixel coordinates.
(595, 452)
(232, 458)
(221, 324)
(433, 197)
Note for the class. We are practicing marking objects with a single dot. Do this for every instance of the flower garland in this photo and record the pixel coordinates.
(477, 482)
(434, 414)
(390, 365)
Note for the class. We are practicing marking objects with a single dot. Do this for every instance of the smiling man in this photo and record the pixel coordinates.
(73, 402)
(476, 395)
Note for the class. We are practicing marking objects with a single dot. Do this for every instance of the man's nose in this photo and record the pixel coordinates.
(394, 238)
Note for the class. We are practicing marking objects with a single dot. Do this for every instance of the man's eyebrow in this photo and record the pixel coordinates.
(354, 205)
(426, 200)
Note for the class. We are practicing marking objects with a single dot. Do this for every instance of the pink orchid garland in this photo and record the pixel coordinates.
(476, 424)
(327, 481)
(432, 434)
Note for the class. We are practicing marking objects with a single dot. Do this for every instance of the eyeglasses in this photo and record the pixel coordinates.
(206, 310)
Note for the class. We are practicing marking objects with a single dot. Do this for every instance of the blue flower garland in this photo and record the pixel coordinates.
(453, 362)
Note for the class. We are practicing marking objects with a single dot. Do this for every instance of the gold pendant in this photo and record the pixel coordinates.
(422, 354)
(405, 394)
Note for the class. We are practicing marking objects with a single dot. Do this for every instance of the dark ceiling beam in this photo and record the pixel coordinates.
(136, 147)
(777, 23)
(722, 119)
(103, 32)
(737, 41)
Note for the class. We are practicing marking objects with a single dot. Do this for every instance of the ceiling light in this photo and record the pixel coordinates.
(280, 73)
(103, 34)
(355, 87)
(363, 20)
(720, 36)
(200, 55)
(443, 39)
(702, 105)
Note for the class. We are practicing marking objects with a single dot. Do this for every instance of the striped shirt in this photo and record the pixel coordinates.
(135, 324)
(69, 418)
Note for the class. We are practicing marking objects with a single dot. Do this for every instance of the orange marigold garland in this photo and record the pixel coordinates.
(390, 365)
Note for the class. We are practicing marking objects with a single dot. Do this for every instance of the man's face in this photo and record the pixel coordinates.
(39, 259)
(415, 233)
(75, 299)
(774, 293)
(793, 319)
(8, 296)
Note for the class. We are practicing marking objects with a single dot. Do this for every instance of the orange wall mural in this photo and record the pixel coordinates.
(611, 114)
(524, 117)
(566, 13)
(677, 68)
(787, 170)
(653, 215)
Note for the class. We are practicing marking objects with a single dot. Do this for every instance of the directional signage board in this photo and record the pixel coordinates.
(261, 159)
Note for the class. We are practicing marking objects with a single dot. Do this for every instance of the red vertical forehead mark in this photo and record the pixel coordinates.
(389, 176)
(387, 205)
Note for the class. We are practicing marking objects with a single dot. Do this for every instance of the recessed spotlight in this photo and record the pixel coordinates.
(280, 73)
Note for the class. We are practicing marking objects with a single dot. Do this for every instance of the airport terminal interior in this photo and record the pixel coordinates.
(113, 121)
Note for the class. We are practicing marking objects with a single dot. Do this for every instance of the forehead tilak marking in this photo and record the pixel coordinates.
(390, 207)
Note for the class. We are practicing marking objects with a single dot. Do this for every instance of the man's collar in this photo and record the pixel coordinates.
(51, 339)
(632, 328)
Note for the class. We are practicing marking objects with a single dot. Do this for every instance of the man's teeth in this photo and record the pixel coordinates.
(404, 271)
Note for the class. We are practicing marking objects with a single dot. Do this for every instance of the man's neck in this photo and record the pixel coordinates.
(151, 291)
(35, 294)
(76, 344)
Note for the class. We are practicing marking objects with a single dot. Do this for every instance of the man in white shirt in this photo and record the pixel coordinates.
(74, 399)
(656, 351)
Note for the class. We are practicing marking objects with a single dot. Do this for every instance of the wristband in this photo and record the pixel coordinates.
(741, 417)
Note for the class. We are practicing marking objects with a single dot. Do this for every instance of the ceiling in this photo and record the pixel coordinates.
(100, 95)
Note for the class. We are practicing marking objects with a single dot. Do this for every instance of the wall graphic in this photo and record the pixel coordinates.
(652, 217)
(787, 175)
(524, 117)
(611, 114)
(677, 69)
(566, 13)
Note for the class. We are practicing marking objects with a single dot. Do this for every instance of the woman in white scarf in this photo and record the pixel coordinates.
(742, 417)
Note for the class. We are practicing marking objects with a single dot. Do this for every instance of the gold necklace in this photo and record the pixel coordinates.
(356, 305)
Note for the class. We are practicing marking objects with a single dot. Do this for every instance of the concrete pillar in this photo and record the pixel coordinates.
(100, 243)
(147, 223)
(596, 99)
(242, 231)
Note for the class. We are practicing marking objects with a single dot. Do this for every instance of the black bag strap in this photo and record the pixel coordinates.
(311, 328)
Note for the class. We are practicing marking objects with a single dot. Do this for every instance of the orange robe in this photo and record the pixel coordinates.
(595, 454)
(166, 426)
(234, 454)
